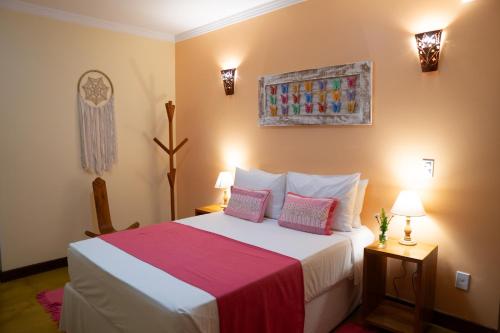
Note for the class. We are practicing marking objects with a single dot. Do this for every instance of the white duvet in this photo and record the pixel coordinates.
(137, 297)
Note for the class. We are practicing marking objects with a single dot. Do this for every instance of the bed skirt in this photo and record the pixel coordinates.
(323, 313)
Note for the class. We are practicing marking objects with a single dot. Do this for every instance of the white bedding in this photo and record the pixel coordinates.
(137, 297)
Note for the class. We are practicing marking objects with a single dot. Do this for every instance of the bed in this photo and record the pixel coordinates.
(112, 291)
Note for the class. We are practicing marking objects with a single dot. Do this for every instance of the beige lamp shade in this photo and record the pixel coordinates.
(225, 180)
(408, 204)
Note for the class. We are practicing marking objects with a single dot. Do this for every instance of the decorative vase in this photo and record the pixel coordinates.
(382, 239)
(383, 222)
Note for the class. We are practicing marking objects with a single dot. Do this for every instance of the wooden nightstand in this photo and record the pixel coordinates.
(208, 209)
(390, 315)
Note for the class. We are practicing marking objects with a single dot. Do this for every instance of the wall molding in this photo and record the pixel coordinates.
(60, 15)
(236, 18)
(24, 271)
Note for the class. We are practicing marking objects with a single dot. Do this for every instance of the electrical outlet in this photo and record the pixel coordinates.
(462, 280)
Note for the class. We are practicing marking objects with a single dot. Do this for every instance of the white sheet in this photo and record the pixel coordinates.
(136, 296)
(322, 314)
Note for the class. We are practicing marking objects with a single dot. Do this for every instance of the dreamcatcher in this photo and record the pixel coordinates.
(95, 95)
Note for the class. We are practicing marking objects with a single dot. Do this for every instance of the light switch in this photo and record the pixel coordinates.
(428, 165)
(462, 280)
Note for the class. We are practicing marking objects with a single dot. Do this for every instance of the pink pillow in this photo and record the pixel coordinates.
(314, 215)
(247, 204)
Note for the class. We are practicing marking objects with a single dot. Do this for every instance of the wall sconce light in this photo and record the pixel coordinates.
(228, 80)
(429, 45)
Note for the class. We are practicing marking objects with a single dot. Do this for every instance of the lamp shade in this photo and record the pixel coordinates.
(408, 204)
(225, 180)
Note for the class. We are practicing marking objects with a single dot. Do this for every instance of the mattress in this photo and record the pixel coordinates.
(134, 296)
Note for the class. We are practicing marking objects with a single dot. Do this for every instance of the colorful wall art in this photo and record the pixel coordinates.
(334, 95)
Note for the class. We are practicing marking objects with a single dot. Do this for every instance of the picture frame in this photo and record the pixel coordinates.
(333, 95)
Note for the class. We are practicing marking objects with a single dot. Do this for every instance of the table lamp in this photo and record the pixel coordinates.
(408, 204)
(224, 181)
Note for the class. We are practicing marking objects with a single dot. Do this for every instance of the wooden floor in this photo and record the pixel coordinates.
(355, 317)
(20, 312)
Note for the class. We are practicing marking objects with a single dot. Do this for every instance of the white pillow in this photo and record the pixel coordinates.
(356, 222)
(358, 206)
(342, 187)
(261, 180)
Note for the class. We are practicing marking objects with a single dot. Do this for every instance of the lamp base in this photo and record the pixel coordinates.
(406, 240)
(410, 242)
(225, 199)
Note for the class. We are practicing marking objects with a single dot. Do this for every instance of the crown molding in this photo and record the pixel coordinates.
(25, 7)
(21, 6)
(242, 16)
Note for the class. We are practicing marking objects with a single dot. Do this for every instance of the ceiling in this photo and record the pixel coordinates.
(173, 19)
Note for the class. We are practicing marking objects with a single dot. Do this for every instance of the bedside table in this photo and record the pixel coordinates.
(390, 315)
(208, 209)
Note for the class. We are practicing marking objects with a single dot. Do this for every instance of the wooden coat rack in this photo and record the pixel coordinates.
(171, 152)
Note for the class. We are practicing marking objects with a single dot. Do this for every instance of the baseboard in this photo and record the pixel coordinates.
(20, 272)
(450, 322)
(459, 324)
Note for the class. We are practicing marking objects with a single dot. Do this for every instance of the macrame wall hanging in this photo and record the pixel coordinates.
(95, 95)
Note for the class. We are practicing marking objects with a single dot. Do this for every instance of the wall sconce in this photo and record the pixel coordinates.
(228, 80)
(429, 45)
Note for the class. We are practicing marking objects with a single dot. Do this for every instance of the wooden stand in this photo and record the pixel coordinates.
(208, 209)
(378, 310)
(170, 107)
(102, 209)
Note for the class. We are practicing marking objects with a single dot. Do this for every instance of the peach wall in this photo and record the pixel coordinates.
(451, 115)
(46, 197)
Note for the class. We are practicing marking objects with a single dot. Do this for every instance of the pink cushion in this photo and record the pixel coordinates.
(247, 204)
(314, 215)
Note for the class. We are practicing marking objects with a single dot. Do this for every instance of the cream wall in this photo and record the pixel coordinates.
(46, 197)
(451, 115)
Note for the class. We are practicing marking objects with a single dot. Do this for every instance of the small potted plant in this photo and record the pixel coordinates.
(383, 222)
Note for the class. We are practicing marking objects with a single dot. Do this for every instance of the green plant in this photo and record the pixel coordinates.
(383, 222)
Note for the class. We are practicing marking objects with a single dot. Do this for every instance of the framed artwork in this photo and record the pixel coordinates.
(334, 95)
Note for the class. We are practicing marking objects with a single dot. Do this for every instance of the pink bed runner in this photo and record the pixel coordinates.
(256, 290)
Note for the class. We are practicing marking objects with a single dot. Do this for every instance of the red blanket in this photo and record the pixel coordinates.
(256, 290)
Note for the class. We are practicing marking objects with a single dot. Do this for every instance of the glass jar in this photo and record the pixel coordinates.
(382, 240)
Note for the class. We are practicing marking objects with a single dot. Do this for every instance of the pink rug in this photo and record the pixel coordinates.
(52, 300)
(353, 328)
